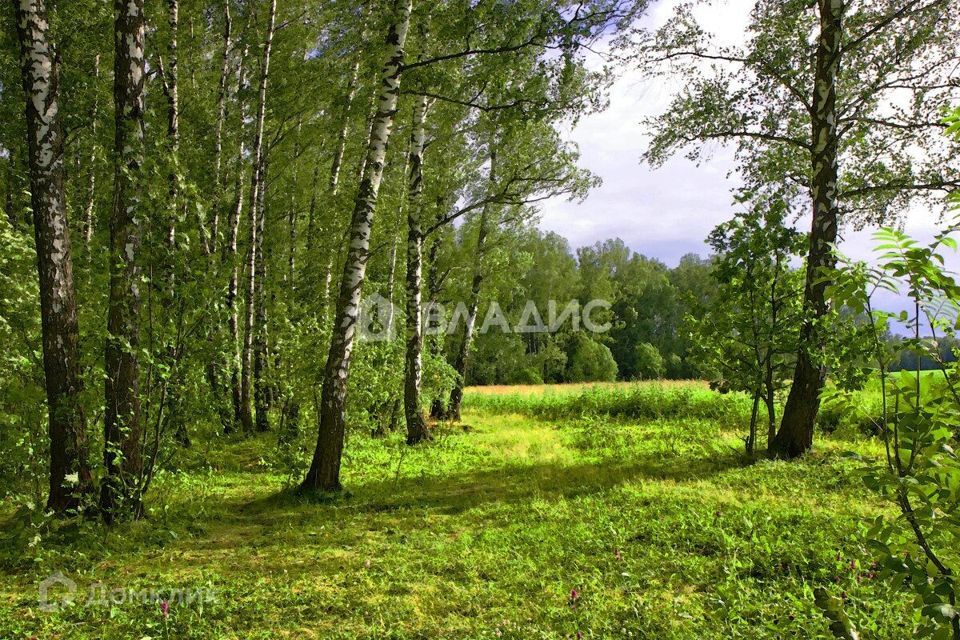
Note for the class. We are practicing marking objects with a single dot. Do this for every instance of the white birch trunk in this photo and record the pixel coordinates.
(417, 430)
(324, 473)
(246, 414)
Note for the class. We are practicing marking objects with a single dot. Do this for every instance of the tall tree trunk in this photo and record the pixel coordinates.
(417, 430)
(58, 305)
(122, 420)
(324, 473)
(292, 213)
(232, 307)
(92, 160)
(220, 361)
(261, 392)
(434, 283)
(333, 186)
(171, 89)
(462, 361)
(796, 429)
(341, 147)
(246, 415)
(210, 239)
(231, 257)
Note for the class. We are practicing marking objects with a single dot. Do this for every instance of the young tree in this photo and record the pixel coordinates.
(58, 306)
(748, 343)
(255, 222)
(413, 411)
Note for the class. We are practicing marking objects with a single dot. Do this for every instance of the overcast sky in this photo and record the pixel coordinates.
(667, 212)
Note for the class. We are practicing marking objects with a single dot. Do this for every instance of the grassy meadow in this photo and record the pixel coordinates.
(590, 511)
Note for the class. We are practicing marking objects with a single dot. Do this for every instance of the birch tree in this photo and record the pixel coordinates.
(253, 218)
(413, 411)
(840, 140)
(70, 476)
(122, 424)
(324, 472)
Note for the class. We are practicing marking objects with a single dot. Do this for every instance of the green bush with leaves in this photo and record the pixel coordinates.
(748, 341)
(648, 363)
(590, 361)
(920, 472)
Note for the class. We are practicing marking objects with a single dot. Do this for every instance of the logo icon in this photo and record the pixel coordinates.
(377, 321)
(51, 597)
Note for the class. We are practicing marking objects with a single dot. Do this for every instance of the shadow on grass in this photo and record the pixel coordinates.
(454, 494)
(390, 503)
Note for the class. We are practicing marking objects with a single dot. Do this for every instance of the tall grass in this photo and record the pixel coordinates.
(634, 401)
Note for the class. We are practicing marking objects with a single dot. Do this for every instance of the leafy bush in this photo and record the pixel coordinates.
(920, 473)
(590, 361)
(648, 363)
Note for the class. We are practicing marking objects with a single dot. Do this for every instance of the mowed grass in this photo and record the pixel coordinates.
(512, 525)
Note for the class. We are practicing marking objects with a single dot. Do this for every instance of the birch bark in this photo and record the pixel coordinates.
(417, 430)
(324, 472)
(796, 428)
(58, 307)
(246, 362)
(122, 420)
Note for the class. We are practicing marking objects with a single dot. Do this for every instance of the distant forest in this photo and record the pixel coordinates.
(652, 314)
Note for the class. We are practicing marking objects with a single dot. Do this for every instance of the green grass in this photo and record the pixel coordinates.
(654, 518)
(632, 401)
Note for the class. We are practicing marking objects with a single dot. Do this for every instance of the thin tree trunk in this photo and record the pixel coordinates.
(417, 430)
(220, 362)
(324, 473)
(231, 257)
(232, 291)
(92, 159)
(58, 305)
(341, 147)
(796, 430)
(261, 393)
(292, 214)
(391, 284)
(752, 436)
(769, 400)
(122, 420)
(333, 187)
(171, 89)
(210, 240)
(8, 204)
(246, 415)
(462, 361)
(437, 409)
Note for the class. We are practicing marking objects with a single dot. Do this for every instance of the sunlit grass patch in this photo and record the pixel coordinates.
(539, 522)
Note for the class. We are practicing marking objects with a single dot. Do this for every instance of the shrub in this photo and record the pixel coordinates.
(648, 363)
(590, 361)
